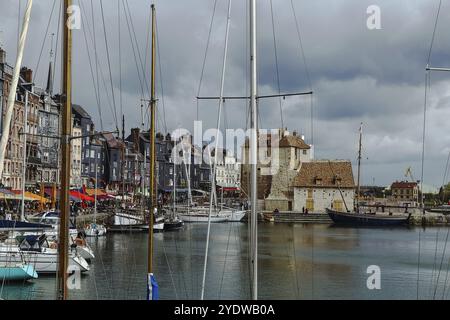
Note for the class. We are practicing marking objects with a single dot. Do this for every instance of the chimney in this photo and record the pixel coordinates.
(135, 133)
(27, 74)
(294, 133)
(2, 56)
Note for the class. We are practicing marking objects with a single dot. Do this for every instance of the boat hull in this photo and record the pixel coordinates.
(19, 272)
(173, 225)
(86, 253)
(95, 230)
(358, 219)
(203, 218)
(157, 227)
(43, 262)
(234, 216)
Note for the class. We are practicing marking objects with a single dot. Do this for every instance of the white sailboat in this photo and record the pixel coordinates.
(11, 268)
(38, 252)
(94, 229)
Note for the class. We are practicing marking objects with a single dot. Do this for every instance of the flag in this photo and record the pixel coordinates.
(153, 289)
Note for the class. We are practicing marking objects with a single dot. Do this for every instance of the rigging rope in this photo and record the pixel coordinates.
(134, 53)
(97, 65)
(161, 77)
(145, 79)
(206, 53)
(276, 64)
(440, 265)
(213, 175)
(308, 77)
(434, 31)
(109, 65)
(120, 59)
(58, 29)
(44, 40)
(92, 69)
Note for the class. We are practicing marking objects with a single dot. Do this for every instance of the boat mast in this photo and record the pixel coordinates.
(359, 168)
(66, 98)
(24, 160)
(95, 194)
(253, 149)
(123, 160)
(13, 87)
(174, 184)
(152, 159)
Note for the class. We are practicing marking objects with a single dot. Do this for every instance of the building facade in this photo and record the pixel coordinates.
(324, 184)
(49, 126)
(34, 165)
(228, 173)
(75, 153)
(404, 191)
(276, 177)
(90, 152)
(15, 151)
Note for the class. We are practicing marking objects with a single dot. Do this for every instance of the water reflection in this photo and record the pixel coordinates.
(295, 262)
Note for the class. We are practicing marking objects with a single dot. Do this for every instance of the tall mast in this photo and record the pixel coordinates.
(152, 158)
(123, 160)
(95, 194)
(13, 87)
(359, 167)
(253, 149)
(63, 243)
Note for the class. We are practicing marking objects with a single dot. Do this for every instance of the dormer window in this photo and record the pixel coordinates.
(337, 180)
(318, 181)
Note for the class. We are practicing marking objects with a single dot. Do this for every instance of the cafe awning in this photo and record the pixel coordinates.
(81, 196)
(92, 192)
(31, 196)
(9, 195)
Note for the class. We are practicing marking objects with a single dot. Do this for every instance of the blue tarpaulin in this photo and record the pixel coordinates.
(153, 289)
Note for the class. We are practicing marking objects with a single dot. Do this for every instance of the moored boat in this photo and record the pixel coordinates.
(366, 219)
(95, 230)
(17, 272)
(203, 217)
(35, 250)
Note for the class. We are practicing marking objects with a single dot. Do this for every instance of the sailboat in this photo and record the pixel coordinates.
(94, 229)
(359, 218)
(15, 270)
(37, 251)
(11, 271)
(172, 220)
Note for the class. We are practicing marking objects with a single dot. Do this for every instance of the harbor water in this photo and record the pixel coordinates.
(296, 261)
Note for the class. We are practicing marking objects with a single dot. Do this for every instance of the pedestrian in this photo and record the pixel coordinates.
(306, 211)
(303, 210)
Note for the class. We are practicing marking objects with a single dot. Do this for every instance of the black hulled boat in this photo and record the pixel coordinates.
(367, 219)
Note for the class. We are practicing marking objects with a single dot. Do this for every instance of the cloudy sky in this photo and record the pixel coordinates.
(357, 75)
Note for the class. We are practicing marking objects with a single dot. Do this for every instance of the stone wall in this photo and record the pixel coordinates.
(323, 198)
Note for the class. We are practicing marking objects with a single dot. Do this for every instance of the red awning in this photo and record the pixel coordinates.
(81, 196)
